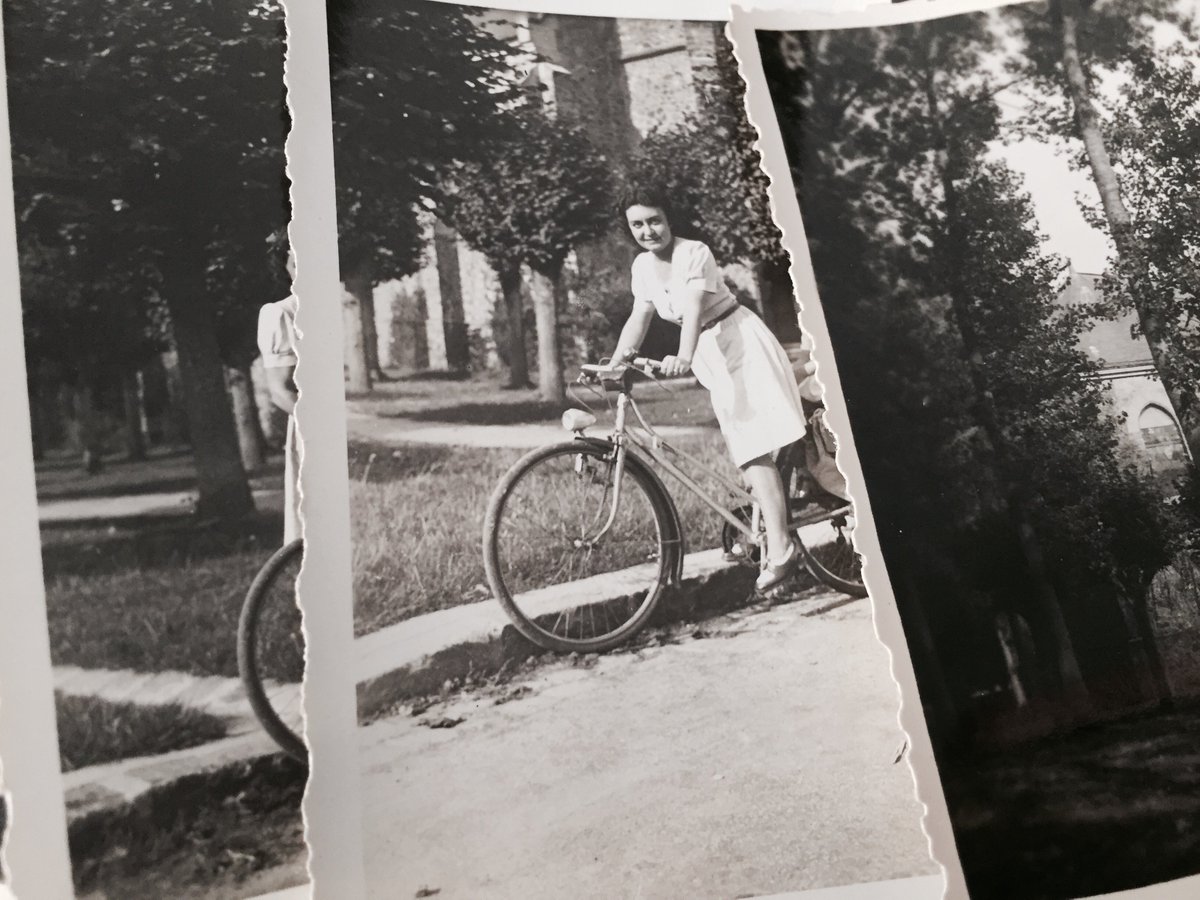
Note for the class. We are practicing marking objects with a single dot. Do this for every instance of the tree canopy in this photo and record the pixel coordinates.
(148, 152)
(415, 85)
(985, 436)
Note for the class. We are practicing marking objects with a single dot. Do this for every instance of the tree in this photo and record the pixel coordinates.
(414, 87)
(539, 192)
(943, 315)
(189, 161)
(712, 163)
(1154, 136)
(1066, 43)
(82, 315)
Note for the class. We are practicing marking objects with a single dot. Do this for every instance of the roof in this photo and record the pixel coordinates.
(1113, 341)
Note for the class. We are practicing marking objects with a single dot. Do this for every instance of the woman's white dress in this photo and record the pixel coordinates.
(747, 373)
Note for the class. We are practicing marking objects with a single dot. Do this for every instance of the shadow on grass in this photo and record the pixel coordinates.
(1112, 806)
(523, 412)
(167, 470)
(165, 596)
(378, 463)
(151, 542)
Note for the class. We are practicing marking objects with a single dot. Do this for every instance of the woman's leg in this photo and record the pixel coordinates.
(767, 487)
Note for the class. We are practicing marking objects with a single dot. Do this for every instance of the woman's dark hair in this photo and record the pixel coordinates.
(647, 193)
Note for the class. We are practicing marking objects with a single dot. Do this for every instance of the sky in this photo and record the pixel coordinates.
(1054, 187)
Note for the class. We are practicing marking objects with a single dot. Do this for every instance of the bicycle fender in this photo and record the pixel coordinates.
(676, 540)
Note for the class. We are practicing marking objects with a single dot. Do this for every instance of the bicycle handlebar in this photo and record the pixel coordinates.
(613, 371)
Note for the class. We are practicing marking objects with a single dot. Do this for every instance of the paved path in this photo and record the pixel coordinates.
(759, 760)
(398, 430)
(126, 506)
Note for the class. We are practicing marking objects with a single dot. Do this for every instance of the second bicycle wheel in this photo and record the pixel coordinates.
(271, 649)
(576, 568)
(830, 555)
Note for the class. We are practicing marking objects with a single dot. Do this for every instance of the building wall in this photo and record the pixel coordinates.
(1128, 373)
(622, 79)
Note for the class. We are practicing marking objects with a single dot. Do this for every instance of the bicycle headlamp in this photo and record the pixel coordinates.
(577, 420)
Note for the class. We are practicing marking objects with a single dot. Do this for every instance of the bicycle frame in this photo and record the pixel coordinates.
(654, 447)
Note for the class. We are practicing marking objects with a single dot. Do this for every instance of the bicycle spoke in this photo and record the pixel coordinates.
(548, 535)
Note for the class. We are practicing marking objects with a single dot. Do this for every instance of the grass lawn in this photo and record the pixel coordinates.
(93, 731)
(151, 596)
(418, 518)
(167, 470)
(481, 402)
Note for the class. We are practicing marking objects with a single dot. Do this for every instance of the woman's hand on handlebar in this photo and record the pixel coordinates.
(673, 366)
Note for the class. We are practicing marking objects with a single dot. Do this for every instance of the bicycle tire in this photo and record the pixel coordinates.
(500, 565)
(265, 593)
(836, 563)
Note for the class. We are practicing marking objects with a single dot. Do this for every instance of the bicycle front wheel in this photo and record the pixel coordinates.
(830, 556)
(577, 563)
(271, 649)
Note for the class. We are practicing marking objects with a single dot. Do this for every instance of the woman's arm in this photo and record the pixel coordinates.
(693, 302)
(634, 331)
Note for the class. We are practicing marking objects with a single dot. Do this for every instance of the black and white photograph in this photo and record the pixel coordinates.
(1001, 215)
(611, 637)
(151, 207)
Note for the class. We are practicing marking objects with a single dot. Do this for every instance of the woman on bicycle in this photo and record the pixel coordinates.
(732, 353)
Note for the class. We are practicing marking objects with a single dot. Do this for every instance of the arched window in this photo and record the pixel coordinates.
(1163, 439)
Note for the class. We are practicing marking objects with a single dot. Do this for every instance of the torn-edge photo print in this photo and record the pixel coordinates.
(1000, 212)
(147, 146)
(611, 634)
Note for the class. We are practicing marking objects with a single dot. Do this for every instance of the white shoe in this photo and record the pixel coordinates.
(775, 573)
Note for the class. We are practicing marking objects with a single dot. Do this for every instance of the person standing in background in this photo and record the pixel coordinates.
(277, 344)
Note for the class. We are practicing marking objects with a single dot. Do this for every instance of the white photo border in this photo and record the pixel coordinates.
(35, 857)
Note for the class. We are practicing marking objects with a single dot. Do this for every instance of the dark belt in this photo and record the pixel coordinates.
(725, 315)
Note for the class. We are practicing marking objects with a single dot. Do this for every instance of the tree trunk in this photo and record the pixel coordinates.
(135, 434)
(545, 290)
(175, 429)
(514, 307)
(358, 365)
(37, 415)
(366, 300)
(1070, 678)
(224, 492)
(88, 419)
(251, 442)
(1120, 223)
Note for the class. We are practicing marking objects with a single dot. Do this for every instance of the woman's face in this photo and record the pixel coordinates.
(649, 227)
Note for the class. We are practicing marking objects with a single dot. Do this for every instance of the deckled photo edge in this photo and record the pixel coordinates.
(745, 21)
(331, 808)
(786, 210)
(33, 837)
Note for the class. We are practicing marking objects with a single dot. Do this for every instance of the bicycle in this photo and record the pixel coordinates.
(270, 649)
(627, 540)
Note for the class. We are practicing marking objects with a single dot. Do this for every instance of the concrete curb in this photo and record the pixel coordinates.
(419, 657)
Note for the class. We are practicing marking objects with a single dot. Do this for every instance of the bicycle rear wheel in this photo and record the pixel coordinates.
(271, 649)
(567, 582)
(830, 555)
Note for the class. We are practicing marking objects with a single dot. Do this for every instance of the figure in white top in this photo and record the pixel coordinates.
(732, 353)
(277, 344)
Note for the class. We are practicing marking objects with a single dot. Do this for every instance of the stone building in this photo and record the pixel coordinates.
(620, 79)
(1151, 426)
